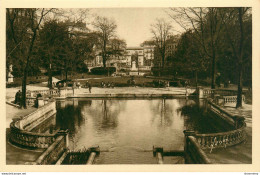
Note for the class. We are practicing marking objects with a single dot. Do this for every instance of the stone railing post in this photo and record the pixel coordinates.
(186, 149)
(238, 120)
(65, 134)
(40, 102)
(216, 98)
(199, 92)
(63, 92)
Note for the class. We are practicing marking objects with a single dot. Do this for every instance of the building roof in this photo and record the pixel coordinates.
(134, 48)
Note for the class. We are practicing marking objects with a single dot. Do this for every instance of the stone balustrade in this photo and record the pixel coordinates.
(30, 139)
(222, 139)
(227, 100)
(193, 153)
(49, 92)
(21, 129)
(55, 150)
(30, 101)
(209, 93)
(37, 116)
(67, 92)
(213, 108)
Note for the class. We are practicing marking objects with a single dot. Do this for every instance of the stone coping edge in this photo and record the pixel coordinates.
(124, 96)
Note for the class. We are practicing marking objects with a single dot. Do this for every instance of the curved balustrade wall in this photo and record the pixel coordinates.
(222, 139)
(20, 130)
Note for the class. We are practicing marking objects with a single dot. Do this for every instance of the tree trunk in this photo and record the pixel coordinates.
(23, 101)
(240, 86)
(196, 78)
(50, 77)
(240, 65)
(163, 60)
(66, 75)
(104, 61)
(213, 75)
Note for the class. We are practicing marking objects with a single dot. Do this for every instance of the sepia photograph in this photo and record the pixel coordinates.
(128, 86)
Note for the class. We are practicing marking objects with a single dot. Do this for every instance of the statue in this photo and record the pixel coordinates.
(133, 68)
(10, 78)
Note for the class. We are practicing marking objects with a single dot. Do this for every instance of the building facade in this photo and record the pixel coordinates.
(145, 56)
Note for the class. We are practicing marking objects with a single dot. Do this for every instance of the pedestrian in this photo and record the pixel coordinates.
(37, 102)
(78, 85)
(17, 97)
(102, 84)
(89, 87)
(87, 84)
(112, 85)
(186, 83)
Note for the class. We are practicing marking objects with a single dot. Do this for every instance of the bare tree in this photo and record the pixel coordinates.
(161, 31)
(207, 27)
(106, 30)
(234, 19)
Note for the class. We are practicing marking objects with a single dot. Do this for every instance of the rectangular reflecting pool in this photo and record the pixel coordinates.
(126, 130)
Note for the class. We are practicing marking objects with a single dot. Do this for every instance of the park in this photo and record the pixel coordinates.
(78, 91)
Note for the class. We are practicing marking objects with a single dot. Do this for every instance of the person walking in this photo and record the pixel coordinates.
(112, 85)
(86, 86)
(89, 87)
(102, 84)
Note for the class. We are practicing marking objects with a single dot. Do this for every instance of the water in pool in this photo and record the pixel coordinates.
(126, 130)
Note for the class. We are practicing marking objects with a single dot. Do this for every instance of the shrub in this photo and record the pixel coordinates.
(82, 68)
(16, 84)
(163, 71)
(102, 70)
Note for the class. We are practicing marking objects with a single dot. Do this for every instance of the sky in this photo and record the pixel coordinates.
(133, 24)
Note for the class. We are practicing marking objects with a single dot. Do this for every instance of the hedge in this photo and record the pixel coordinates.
(102, 70)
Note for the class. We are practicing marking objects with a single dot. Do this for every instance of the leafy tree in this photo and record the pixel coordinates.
(22, 31)
(188, 58)
(52, 38)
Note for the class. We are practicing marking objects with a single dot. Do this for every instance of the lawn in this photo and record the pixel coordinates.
(118, 81)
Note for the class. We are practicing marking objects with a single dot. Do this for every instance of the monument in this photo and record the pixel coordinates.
(133, 70)
(10, 77)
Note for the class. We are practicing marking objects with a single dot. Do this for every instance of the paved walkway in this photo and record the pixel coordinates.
(133, 90)
(10, 92)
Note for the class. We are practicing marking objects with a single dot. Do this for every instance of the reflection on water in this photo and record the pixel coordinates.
(126, 130)
(123, 123)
